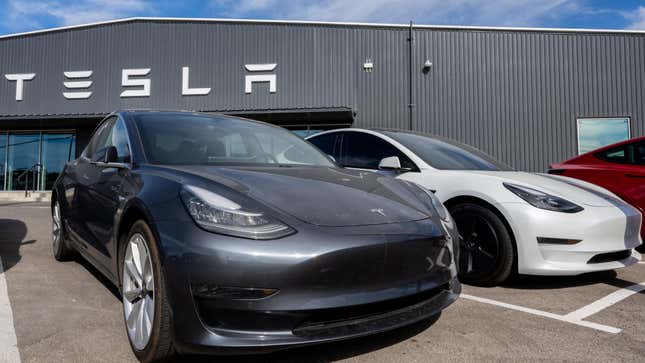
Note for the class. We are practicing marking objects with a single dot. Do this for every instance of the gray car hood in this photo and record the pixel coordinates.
(323, 196)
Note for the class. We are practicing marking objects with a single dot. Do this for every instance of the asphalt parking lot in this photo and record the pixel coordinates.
(66, 312)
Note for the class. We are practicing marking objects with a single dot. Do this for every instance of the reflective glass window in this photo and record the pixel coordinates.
(56, 150)
(594, 133)
(23, 152)
(3, 160)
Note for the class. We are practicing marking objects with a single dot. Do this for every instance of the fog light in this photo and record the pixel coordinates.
(557, 241)
(232, 293)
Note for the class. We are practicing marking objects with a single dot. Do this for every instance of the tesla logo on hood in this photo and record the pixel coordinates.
(378, 211)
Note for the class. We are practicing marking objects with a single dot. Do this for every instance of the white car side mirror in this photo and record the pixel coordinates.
(390, 163)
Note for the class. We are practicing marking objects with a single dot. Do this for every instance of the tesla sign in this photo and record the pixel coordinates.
(136, 82)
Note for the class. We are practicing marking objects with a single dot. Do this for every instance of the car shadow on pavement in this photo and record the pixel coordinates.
(560, 282)
(12, 235)
(555, 282)
(326, 352)
(99, 276)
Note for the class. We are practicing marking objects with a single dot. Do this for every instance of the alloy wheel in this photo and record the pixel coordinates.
(138, 291)
(480, 249)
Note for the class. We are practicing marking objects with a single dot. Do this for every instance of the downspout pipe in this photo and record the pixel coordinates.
(410, 99)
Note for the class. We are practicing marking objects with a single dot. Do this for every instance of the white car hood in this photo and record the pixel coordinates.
(573, 190)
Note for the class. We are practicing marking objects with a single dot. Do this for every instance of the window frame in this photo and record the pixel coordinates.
(580, 118)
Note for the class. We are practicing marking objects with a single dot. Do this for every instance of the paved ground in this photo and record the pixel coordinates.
(66, 312)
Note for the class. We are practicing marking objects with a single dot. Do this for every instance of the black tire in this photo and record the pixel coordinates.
(61, 248)
(487, 253)
(160, 346)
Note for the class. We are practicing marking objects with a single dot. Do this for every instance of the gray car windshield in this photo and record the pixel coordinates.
(178, 138)
(446, 154)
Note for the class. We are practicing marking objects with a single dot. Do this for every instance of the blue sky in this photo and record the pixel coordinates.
(26, 15)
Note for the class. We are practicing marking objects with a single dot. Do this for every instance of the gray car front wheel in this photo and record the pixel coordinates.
(145, 306)
(138, 291)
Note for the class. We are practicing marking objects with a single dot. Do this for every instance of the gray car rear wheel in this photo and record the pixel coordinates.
(62, 250)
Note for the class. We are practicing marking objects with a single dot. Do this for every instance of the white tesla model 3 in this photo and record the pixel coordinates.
(510, 221)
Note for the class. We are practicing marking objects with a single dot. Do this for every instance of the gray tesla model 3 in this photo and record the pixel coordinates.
(227, 235)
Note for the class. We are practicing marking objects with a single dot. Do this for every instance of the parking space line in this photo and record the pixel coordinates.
(564, 318)
(606, 301)
(8, 342)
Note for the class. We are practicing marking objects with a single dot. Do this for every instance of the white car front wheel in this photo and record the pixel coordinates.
(486, 253)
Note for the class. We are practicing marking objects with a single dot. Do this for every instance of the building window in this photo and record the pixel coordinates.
(22, 151)
(3, 160)
(597, 132)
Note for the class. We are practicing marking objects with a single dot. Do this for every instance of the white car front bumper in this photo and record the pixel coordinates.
(601, 230)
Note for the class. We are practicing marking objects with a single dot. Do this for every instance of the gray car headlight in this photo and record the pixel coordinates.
(438, 206)
(218, 214)
(543, 200)
(448, 225)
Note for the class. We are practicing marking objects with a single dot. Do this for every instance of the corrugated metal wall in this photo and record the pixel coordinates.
(515, 95)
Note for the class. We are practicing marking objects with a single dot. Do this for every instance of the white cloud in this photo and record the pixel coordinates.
(637, 18)
(476, 12)
(32, 13)
(22, 15)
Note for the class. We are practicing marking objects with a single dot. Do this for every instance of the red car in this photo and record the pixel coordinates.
(619, 168)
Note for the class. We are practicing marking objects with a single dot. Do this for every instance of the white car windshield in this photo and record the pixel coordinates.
(446, 154)
(183, 138)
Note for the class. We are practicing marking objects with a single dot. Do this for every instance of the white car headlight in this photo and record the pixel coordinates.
(217, 214)
(543, 200)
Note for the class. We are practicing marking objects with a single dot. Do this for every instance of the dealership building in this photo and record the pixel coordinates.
(529, 97)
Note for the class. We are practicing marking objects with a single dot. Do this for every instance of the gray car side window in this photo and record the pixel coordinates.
(98, 138)
(110, 133)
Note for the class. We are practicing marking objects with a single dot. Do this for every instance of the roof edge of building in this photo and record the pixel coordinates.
(326, 23)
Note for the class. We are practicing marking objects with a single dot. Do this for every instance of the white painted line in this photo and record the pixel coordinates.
(564, 318)
(8, 342)
(26, 206)
(606, 302)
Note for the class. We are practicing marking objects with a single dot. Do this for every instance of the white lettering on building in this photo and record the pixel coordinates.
(249, 79)
(185, 85)
(79, 86)
(20, 79)
(127, 81)
(135, 83)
